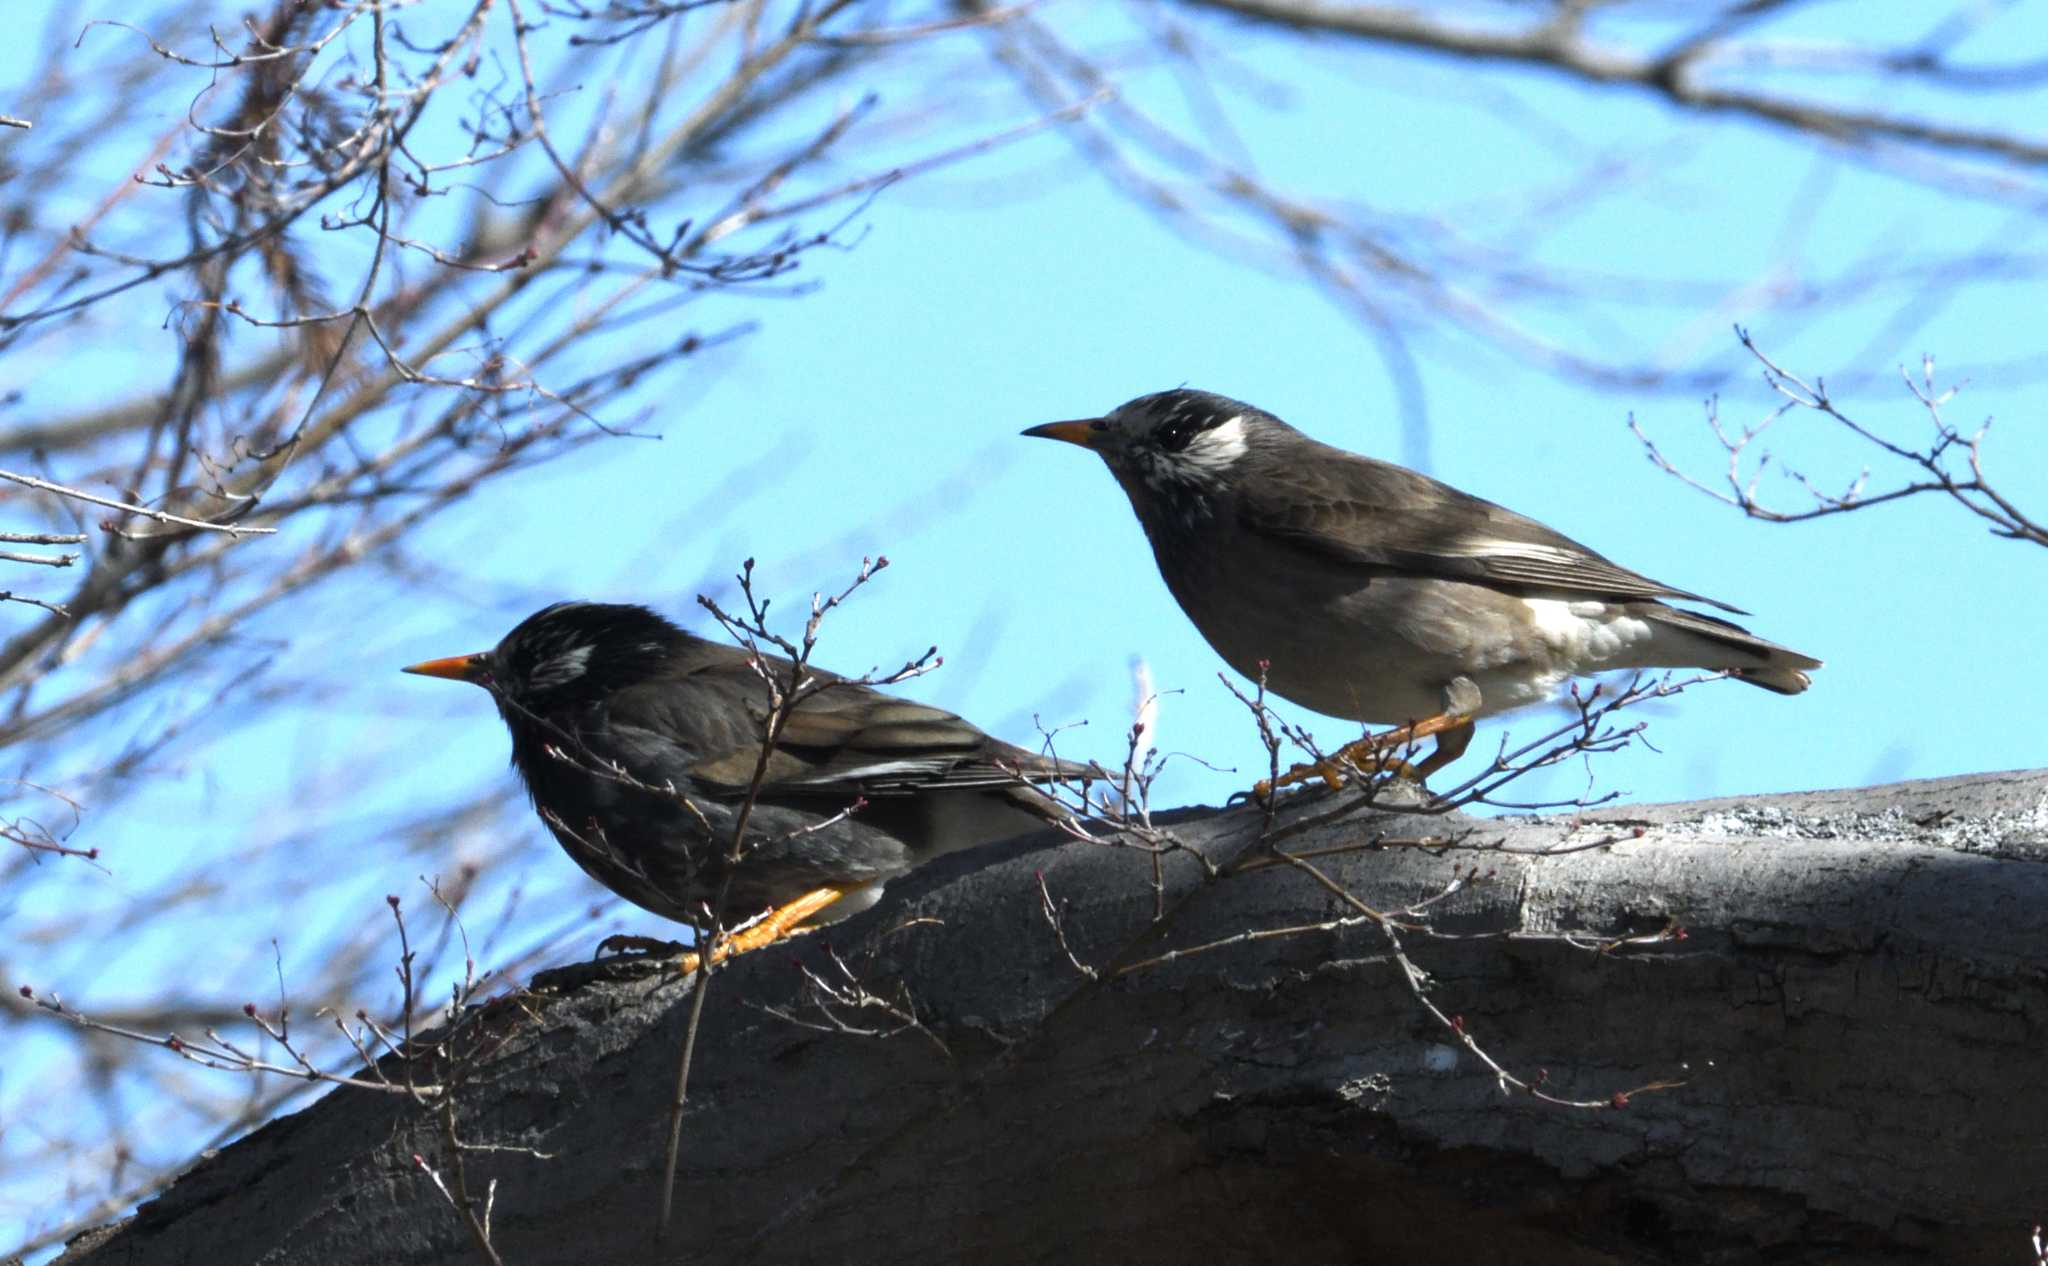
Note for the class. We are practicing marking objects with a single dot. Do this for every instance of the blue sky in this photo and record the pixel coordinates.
(878, 414)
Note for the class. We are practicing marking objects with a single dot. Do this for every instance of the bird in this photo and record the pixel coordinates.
(638, 742)
(1370, 592)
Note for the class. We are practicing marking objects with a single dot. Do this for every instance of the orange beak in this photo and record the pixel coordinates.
(1083, 432)
(469, 668)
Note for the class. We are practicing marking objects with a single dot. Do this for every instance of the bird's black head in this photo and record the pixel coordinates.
(567, 653)
(1178, 447)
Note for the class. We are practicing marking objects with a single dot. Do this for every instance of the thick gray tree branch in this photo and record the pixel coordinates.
(1853, 1010)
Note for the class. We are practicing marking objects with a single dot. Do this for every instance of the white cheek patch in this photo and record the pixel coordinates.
(1199, 467)
(561, 669)
(1218, 447)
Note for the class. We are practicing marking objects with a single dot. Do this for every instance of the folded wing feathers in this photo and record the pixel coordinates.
(1579, 573)
(844, 740)
(879, 745)
(1381, 517)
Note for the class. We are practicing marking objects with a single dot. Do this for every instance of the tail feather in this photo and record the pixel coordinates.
(1784, 681)
(1778, 668)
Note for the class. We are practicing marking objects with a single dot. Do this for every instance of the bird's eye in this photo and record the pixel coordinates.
(1099, 424)
(1174, 435)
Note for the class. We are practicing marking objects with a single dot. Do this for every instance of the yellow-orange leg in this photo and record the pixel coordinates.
(1451, 742)
(770, 928)
(1452, 731)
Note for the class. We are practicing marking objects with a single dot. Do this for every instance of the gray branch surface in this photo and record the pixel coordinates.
(1856, 1008)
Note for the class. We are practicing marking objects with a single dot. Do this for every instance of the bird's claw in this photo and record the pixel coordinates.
(1368, 757)
(1334, 771)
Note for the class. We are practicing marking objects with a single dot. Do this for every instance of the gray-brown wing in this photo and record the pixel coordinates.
(1381, 517)
(843, 741)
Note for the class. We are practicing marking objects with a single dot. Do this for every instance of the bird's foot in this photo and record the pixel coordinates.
(771, 927)
(1453, 733)
(1374, 755)
(1336, 769)
(1327, 770)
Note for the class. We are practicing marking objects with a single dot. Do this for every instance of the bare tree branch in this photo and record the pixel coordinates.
(1951, 464)
(1681, 74)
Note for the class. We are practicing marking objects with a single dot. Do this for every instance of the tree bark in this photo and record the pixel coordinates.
(1854, 1008)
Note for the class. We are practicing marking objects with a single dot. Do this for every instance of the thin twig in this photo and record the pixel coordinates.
(159, 516)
